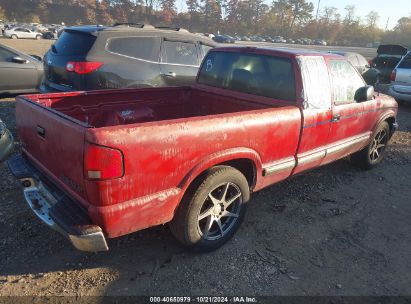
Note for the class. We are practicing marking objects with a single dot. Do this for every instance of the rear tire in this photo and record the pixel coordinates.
(212, 209)
(374, 152)
(38, 37)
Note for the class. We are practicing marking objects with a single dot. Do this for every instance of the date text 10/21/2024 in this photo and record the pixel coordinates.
(203, 299)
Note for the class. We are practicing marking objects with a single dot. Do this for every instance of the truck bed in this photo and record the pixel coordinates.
(111, 108)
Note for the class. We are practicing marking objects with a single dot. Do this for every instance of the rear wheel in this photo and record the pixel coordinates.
(212, 210)
(14, 36)
(373, 154)
(38, 37)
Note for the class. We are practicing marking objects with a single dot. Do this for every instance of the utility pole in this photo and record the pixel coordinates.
(318, 8)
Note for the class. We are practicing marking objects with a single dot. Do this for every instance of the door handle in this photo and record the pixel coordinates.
(336, 117)
(170, 74)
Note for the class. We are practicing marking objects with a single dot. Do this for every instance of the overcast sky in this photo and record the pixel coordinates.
(392, 9)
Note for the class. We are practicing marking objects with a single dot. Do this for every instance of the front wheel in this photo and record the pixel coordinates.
(14, 37)
(212, 210)
(373, 154)
(38, 37)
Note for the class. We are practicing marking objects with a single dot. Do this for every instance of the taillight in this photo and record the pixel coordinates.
(102, 162)
(83, 67)
(393, 75)
(370, 62)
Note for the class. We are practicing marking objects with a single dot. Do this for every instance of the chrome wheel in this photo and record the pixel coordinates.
(220, 211)
(378, 145)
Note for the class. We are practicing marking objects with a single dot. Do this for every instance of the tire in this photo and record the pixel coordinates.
(38, 37)
(212, 209)
(14, 37)
(373, 154)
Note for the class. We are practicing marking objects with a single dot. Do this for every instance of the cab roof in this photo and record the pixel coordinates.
(139, 28)
(291, 52)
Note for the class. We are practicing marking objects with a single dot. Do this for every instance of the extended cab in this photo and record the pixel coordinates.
(98, 165)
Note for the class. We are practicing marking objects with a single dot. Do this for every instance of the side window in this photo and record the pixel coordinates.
(205, 48)
(5, 55)
(345, 81)
(179, 53)
(316, 82)
(146, 48)
(362, 61)
(354, 60)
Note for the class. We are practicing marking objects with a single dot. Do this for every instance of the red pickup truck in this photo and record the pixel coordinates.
(102, 164)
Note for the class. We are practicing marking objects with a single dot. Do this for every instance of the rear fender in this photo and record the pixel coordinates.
(219, 158)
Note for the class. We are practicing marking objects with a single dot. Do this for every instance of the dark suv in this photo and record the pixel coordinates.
(122, 56)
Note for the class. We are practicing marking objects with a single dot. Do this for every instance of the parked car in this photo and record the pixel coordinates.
(357, 60)
(19, 72)
(320, 42)
(224, 39)
(388, 56)
(97, 57)
(50, 35)
(192, 156)
(400, 87)
(370, 75)
(6, 142)
(22, 33)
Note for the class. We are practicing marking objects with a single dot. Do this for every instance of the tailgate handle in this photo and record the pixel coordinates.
(41, 131)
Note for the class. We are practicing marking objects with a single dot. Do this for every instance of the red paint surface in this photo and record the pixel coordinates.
(169, 136)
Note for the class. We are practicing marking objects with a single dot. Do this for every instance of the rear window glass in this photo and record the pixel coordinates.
(147, 48)
(250, 73)
(405, 63)
(73, 44)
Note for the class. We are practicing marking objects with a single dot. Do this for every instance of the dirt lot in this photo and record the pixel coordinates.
(336, 230)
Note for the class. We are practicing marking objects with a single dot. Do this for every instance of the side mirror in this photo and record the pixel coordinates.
(365, 93)
(19, 60)
(37, 57)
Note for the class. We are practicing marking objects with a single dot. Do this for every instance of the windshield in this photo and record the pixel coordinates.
(255, 74)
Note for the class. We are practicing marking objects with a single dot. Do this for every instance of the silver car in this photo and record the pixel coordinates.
(22, 33)
(400, 87)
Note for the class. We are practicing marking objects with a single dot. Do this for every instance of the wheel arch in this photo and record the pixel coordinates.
(245, 160)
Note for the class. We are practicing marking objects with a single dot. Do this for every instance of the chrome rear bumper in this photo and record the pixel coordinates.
(56, 210)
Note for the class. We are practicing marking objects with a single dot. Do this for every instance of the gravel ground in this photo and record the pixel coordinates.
(336, 230)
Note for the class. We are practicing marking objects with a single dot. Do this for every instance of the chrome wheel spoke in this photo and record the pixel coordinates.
(225, 192)
(208, 226)
(229, 214)
(220, 226)
(205, 214)
(213, 199)
(231, 200)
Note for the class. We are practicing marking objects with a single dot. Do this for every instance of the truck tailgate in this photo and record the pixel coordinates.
(53, 143)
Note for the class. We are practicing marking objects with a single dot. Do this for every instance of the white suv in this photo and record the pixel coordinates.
(400, 87)
(21, 32)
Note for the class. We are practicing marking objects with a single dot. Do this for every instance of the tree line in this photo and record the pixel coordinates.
(287, 18)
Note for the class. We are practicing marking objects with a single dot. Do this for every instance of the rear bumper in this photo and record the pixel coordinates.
(56, 209)
(398, 95)
(47, 87)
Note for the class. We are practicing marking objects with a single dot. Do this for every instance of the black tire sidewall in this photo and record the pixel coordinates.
(216, 177)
